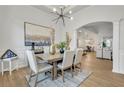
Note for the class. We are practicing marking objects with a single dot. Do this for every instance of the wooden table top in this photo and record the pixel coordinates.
(50, 57)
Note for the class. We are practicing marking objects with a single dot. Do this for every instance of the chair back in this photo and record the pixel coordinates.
(32, 60)
(68, 59)
(78, 56)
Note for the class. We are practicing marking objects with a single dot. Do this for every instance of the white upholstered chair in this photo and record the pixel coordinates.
(35, 67)
(67, 62)
(78, 57)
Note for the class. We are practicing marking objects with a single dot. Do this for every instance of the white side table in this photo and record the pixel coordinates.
(10, 67)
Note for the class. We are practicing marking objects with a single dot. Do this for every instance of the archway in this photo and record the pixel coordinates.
(96, 37)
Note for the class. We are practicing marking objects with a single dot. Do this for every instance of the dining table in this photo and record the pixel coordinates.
(52, 59)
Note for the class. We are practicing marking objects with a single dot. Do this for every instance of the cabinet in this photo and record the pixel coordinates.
(99, 53)
(104, 53)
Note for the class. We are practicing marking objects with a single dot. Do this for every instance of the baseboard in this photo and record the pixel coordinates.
(20, 66)
(119, 72)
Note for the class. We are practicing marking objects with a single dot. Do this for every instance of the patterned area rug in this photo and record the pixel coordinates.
(70, 81)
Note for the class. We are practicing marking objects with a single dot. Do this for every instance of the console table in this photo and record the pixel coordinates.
(11, 65)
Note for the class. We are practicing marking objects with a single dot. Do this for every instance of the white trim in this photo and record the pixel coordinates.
(118, 54)
(116, 47)
(119, 72)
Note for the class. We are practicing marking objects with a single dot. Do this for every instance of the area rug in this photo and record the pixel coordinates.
(70, 81)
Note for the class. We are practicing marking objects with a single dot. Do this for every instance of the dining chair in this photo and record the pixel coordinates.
(36, 68)
(66, 63)
(78, 58)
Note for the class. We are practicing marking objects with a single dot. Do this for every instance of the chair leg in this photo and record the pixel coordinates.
(71, 71)
(30, 76)
(45, 73)
(36, 80)
(80, 68)
(63, 75)
(74, 67)
(52, 74)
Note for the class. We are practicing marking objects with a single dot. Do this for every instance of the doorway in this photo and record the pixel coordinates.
(97, 37)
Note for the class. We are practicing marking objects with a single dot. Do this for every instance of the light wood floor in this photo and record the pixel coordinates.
(102, 75)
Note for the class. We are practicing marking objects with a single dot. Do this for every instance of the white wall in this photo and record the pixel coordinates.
(105, 32)
(12, 20)
(94, 14)
(88, 35)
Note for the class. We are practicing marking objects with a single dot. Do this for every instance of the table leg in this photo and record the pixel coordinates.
(10, 67)
(2, 68)
(54, 70)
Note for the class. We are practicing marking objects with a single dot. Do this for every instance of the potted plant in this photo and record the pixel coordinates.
(61, 46)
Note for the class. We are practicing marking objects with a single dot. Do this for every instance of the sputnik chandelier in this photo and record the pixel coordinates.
(62, 15)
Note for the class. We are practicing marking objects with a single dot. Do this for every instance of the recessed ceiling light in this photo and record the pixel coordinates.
(70, 12)
(71, 18)
(54, 9)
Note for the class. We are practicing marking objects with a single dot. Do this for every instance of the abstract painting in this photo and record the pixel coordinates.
(38, 35)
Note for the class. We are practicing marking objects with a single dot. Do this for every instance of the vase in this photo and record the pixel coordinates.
(61, 50)
(52, 49)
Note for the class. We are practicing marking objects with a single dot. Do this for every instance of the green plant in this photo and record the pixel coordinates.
(61, 45)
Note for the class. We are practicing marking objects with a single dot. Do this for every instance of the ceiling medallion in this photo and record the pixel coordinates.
(61, 15)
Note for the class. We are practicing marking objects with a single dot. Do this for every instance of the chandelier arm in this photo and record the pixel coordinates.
(55, 19)
(61, 11)
(63, 20)
(67, 16)
(58, 19)
(55, 13)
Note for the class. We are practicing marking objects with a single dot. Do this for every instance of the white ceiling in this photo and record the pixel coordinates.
(49, 8)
